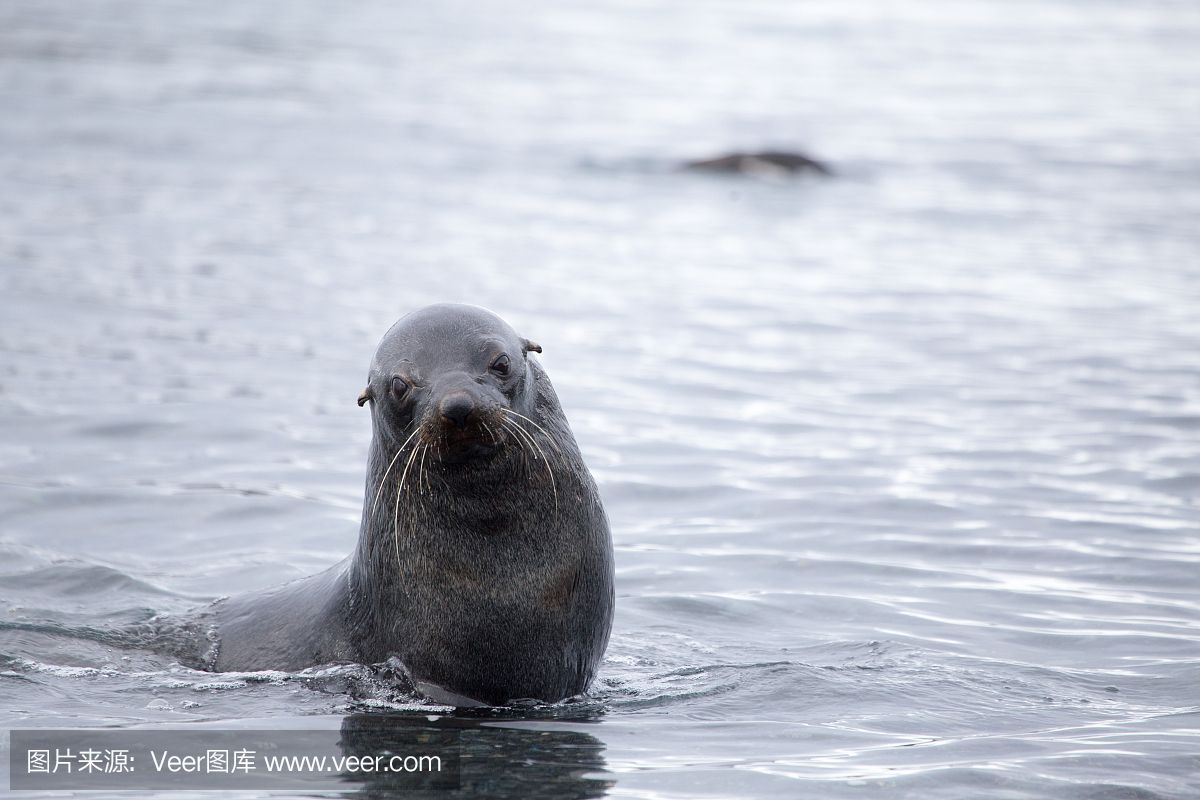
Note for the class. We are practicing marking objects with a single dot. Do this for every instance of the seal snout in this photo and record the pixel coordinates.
(456, 409)
(463, 425)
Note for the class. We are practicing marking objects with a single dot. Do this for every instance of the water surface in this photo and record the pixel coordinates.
(902, 467)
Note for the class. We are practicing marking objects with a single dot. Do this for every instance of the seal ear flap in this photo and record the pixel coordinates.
(529, 344)
(365, 395)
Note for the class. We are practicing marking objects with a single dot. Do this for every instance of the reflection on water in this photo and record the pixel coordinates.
(497, 759)
(902, 464)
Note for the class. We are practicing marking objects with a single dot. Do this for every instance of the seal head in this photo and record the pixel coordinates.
(446, 376)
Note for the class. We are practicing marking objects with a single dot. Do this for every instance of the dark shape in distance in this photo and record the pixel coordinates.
(768, 162)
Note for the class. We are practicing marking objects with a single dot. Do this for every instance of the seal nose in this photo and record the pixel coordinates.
(456, 408)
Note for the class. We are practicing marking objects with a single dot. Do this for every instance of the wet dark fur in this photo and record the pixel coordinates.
(487, 579)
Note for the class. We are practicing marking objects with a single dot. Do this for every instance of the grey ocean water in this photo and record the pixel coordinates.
(902, 467)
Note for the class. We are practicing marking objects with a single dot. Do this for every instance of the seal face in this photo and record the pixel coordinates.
(451, 387)
(484, 560)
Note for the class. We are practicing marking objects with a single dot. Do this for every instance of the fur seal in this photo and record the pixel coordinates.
(770, 162)
(484, 561)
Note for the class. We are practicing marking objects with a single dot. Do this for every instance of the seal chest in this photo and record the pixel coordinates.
(484, 560)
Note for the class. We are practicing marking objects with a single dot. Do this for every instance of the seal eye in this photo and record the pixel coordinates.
(500, 365)
(399, 386)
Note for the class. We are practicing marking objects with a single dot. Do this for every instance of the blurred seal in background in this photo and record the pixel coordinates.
(767, 163)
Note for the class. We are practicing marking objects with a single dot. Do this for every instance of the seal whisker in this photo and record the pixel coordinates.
(545, 461)
(421, 473)
(386, 472)
(549, 438)
(396, 509)
(495, 441)
(529, 438)
(520, 440)
(428, 471)
(521, 446)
